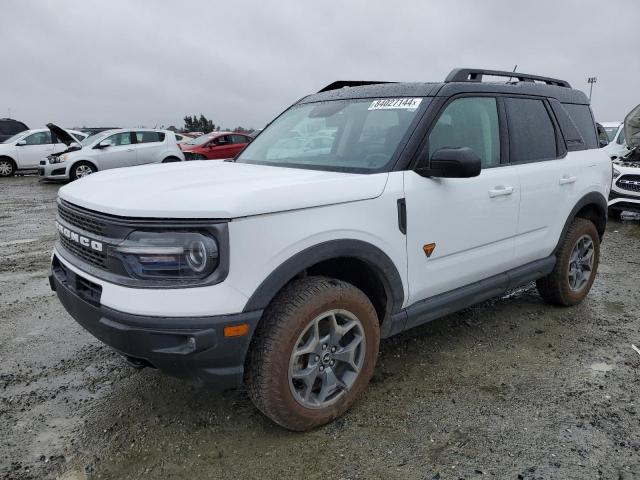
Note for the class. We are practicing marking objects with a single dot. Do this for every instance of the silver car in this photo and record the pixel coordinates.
(111, 149)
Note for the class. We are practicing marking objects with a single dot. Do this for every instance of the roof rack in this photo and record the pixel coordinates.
(475, 75)
(348, 83)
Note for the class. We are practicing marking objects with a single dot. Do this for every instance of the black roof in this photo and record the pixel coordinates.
(458, 81)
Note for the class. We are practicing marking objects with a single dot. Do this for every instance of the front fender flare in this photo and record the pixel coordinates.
(375, 258)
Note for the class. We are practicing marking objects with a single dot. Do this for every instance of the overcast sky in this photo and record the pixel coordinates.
(132, 63)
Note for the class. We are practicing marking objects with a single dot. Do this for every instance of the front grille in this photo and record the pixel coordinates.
(92, 257)
(76, 217)
(629, 182)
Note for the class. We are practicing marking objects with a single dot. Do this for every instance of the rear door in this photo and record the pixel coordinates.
(149, 147)
(37, 147)
(548, 175)
(119, 152)
(470, 222)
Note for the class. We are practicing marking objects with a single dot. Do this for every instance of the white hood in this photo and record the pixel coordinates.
(215, 189)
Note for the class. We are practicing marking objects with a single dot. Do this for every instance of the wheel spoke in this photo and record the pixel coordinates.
(312, 343)
(330, 383)
(347, 355)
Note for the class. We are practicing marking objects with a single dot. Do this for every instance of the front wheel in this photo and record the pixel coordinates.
(81, 169)
(171, 160)
(314, 353)
(576, 266)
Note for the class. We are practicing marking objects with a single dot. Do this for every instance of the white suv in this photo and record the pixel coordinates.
(112, 149)
(26, 149)
(285, 271)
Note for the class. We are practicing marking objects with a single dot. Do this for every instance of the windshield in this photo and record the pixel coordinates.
(611, 132)
(357, 135)
(92, 138)
(201, 140)
(16, 137)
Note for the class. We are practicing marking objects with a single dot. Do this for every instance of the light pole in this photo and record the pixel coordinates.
(591, 81)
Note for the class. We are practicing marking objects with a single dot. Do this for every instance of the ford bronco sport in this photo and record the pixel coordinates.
(285, 267)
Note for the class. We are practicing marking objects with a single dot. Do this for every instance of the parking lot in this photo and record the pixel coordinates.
(513, 388)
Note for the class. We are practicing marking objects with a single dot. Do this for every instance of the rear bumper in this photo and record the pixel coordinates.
(194, 348)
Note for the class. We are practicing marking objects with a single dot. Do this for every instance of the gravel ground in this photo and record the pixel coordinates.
(510, 389)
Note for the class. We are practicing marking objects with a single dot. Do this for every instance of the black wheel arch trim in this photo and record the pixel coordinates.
(591, 198)
(375, 258)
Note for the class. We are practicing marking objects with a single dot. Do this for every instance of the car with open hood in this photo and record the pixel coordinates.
(363, 210)
(25, 150)
(625, 190)
(112, 149)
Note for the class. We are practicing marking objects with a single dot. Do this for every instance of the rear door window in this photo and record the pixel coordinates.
(239, 139)
(532, 136)
(581, 116)
(149, 137)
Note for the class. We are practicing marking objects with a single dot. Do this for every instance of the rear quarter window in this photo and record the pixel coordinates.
(581, 116)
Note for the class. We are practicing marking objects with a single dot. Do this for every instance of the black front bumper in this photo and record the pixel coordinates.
(194, 348)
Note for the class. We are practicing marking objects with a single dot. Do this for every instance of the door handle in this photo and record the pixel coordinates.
(129, 149)
(566, 179)
(500, 190)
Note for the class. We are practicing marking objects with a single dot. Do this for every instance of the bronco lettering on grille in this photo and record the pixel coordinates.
(79, 239)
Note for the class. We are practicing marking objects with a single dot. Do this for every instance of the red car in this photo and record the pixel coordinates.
(215, 146)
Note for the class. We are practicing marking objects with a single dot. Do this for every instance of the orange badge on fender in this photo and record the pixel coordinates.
(428, 249)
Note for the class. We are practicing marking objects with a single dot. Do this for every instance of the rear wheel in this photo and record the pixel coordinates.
(576, 265)
(7, 167)
(81, 169)
(314, 353)
(170, 160)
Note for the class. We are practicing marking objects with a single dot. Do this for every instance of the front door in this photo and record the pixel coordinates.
(119, 152)
(37, 147)
(469, 222)
(222, 147)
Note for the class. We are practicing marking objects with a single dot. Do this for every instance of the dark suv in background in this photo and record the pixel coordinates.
(9, 127)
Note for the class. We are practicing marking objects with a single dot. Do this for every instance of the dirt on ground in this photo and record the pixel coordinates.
(510, 389)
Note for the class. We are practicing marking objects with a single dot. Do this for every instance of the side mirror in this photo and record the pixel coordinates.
(21, 143)
(103, 144)
(603, 143)
(451, 163)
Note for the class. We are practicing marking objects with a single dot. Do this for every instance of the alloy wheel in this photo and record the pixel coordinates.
(581, 263)
(326, 359)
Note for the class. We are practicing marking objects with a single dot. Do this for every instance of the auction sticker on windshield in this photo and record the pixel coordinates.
(410, 104)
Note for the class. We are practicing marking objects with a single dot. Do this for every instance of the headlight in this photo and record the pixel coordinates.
(616, 173)
(53, 159)
(175, 256)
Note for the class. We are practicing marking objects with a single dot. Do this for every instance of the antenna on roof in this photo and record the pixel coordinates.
(514, 69)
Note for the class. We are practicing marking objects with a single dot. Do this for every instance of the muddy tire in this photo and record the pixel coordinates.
(314, 352)
(81, 169)
(576, 266)
(7, 167)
